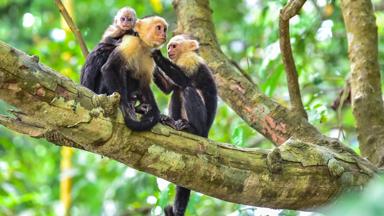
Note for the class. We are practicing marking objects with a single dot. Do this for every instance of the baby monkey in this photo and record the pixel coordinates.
(123, 23)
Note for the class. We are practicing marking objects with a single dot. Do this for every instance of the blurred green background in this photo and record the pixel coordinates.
(248, 32)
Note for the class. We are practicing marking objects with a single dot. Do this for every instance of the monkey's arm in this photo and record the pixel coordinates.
(196, 112)
(91, 71)
(113, 78)
(162, 81)
(207, 86)
(171, 70)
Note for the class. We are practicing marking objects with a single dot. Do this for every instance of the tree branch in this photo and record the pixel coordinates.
(73, 27)
(367, 103)
(53, 107)
(290, 10)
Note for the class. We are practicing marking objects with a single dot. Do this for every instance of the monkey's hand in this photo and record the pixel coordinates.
(156, 54)
(180, 124)
(143, 108)
(129, 110)
(164, 119)
(136, 95)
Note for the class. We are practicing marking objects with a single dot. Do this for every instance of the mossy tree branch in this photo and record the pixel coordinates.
(53, 107)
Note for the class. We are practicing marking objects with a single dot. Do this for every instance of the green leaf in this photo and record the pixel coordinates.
(238, 136)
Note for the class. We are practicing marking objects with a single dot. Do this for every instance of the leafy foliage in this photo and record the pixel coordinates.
(248, 32)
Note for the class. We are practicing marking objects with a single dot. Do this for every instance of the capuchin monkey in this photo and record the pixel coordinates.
(129, 71)
(123, 24)
(194, 96)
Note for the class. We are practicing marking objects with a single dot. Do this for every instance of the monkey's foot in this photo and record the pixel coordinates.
(181, 124)
(129, 111)
(177, 125)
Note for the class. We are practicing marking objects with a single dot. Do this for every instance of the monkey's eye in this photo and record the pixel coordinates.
(122, 18)
(129, 19)
(158, 27)
(165, 29)
(173, 46)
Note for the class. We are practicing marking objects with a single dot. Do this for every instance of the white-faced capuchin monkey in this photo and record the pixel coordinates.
(123, 24)
(194, 96)
(129, 71)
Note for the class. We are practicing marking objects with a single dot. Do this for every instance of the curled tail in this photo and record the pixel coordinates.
(147, 121)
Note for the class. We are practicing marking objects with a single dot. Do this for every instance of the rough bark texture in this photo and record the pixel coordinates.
(269, 118)
(367, 101)
(296, 175)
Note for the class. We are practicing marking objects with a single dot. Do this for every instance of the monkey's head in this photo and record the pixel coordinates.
(152, 30)
(125, 18)
(181, 44)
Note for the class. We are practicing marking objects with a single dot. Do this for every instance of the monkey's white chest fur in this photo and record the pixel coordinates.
(138, 57)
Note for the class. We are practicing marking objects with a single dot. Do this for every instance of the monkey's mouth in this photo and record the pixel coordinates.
(171, 55)
(126, 27)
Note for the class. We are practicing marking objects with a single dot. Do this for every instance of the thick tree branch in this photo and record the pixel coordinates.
(367, 103)
(290, 10)
(263, 114)
(52, 106)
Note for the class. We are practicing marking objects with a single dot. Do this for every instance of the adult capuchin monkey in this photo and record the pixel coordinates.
(129, 71)
(123, 24)
(194, 96)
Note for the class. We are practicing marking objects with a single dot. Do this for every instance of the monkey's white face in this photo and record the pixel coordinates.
(126, 19)
(174, 51)
(179, 45)
(152, 30)
(160, 33)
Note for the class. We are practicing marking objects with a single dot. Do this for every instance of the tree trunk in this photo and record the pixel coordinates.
(366, 95)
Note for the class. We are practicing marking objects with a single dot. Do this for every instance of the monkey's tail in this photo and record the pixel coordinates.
(147, 121)
(181, 202)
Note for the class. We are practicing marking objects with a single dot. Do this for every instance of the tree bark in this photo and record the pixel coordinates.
(296, 175)
(367, 103)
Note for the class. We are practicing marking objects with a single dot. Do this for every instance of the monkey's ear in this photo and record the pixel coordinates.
(193, 45)
(138, 25)
(115, 20)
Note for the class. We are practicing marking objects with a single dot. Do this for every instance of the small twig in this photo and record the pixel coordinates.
(73, 27)
(290, 10)
(249, 78)
(343, 98)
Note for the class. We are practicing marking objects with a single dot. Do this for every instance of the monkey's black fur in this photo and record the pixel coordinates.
(197, 97)
(116, 76)
(104, 72)
(91, 71)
